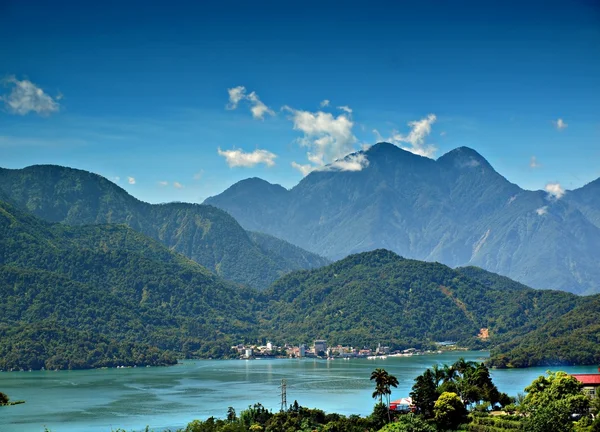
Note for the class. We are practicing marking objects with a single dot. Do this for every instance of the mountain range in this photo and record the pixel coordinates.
(203, 233)
(455, 210)
(106, 295)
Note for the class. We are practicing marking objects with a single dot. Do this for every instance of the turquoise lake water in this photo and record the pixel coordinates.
(170, 397)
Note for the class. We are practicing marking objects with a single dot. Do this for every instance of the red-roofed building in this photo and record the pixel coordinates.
(590, 382)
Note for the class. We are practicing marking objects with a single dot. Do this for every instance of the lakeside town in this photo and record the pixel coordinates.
(320, 349)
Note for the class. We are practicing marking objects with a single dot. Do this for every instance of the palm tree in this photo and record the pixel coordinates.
(383, 383)
(380, 376)
(392, 381)
(438, 374)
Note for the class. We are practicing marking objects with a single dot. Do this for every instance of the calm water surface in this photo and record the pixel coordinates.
(101, 400)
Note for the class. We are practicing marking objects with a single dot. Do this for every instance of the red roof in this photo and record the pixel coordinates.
(588, 379)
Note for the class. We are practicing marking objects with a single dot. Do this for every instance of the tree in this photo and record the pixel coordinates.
(449, 411)
(231, 415)
(383, 384)
(380, 376)
(424, 393)
(551, 401)
(3, 398)
(408, 423)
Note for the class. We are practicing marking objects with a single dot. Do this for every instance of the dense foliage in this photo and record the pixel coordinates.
(379, 297)
(93, 296)
(436, 391)
(568, 339)
(127, 292)
(203, 233)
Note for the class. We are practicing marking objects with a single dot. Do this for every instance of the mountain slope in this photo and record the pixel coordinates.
(587, 200)
(106, 295)
(108, 283)
(379, 297)
(203, 233)
(456, 210)
(573, 338)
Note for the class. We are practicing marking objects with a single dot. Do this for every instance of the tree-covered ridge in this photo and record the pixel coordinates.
(203, 233)
(379, 297)
(573, 338)
(110, 285)
(114, 284)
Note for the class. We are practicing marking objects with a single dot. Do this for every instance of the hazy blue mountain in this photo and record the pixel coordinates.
(203, 233)
(587, 200)
(456, 210)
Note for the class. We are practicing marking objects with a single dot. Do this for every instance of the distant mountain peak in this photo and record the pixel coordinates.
(252, 186)
(464, 157)
(391, 149)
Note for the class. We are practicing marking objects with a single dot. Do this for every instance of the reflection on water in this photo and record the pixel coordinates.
(99, 400)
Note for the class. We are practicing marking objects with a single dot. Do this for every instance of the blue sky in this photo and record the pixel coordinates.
(139, 90)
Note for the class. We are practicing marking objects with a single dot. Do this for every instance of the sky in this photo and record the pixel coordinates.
(176, 101)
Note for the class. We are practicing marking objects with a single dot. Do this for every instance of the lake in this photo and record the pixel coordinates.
(170, 397)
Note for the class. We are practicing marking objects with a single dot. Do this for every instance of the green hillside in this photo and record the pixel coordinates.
(112, 284)
(106, 295)
(379, 297)
(570, 339)
(207, 235)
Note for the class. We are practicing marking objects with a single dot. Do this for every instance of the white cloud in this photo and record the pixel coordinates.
(257, 107)
(542, 210)
(236, 94)
(178, 185)
(131, 180)
(554, 190)
(443, 133)
(324, 103)
(26, 97)
(533, 162)
(353, 162)
(239, 158)
(560, 124)
(420, 129)
(163, 183)
(326, 136)
(471, 163)
(304, 169)
(345, 108)
(378, 136)
(198, 175)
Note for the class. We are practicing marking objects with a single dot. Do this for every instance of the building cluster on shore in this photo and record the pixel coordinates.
(319, 349)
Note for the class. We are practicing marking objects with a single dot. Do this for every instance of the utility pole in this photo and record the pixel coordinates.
(284, 406)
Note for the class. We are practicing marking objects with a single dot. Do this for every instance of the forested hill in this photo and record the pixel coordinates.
(106, 295)
(379, 297)
(573, 338)
(205, 234)
(75, 297)
(456, 210)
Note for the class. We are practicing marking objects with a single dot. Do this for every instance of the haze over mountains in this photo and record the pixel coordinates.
(205, 234)
(456, 210)
(106, 295)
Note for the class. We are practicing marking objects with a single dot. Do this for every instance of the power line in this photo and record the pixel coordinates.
(284, 406)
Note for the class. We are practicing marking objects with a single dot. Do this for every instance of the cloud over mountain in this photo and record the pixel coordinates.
(239, 158)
